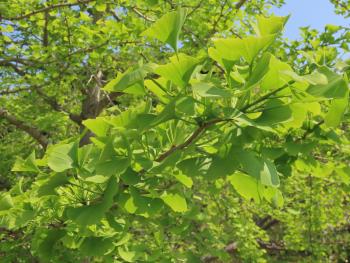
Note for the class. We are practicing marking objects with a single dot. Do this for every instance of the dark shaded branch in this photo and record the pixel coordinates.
(267, 222)
(116, 17)
(30, 130)
(240, 4)
(13, 66)
(270, 224)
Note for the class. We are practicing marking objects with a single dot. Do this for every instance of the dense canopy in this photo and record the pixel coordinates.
(172, 131)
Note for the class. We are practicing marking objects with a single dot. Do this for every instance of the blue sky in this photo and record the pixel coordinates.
(314, 13)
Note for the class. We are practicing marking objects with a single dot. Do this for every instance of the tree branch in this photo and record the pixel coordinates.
(206, 125)
(48, 8)
(135, 10)
(191, 139)
(267, 96)
(219, 17)
(45, 30)
(13, 66)
(240, 4)
(32, 131)
(9, 91)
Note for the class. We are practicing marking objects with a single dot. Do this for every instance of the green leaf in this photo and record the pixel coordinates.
(98, 126)
(84, 154)
(185, 105)
(92, 214)
(6, 202)
(344, 173)
(270, 25)
(54, 181)
(101, 7)
(167, 29)
(221, 166)
(259, 71)
(251, 189)
(131, 177)
(276, 112)
(294, 148)
(135, 203)
(166, 114)
(246, 186)
(332, 28)
(129, 118)
(47, 245)
(191, 166)
(235, 48)
(315, 78)
(86, 215)
(249, 162)
(337, 87)
(176, 202)
(132, 79)
(185, 180)
(336, 111)
(97, 179)
(259, 168)
(27, 165)
(273, 196)
(268, 175)
(59, 158)
(152, 2)
(179, 70)
(128, 256)
(209, 90)
(110, 163)
(96, 246)
(157, 89)
(276, 76)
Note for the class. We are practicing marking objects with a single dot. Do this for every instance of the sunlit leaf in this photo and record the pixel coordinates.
(167, 29)
(176, 202)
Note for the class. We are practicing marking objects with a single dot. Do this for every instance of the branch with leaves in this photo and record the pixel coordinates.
(33, 132)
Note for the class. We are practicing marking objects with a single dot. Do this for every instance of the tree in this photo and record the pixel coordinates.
(162, 137)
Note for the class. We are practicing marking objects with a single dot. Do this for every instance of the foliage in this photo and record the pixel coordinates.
(161, 137)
